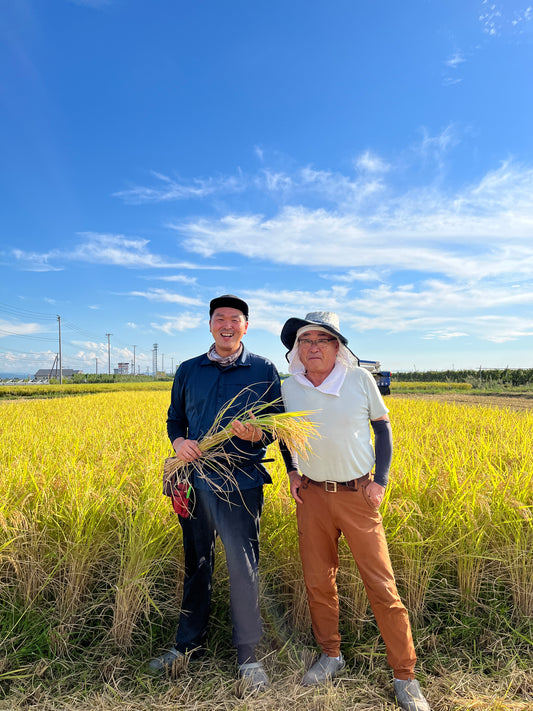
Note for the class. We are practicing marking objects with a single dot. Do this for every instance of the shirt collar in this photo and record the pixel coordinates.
(331, 385)
(243, 359)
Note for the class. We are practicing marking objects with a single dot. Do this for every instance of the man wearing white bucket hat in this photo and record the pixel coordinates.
(336, 492)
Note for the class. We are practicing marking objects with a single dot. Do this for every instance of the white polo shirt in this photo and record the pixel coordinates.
(344, 450)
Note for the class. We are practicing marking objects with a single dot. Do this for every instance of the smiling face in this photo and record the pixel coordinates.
(318, 360)
(227, 327)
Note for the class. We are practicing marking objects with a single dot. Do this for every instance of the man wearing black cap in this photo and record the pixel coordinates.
(229, 507)
(338, 490)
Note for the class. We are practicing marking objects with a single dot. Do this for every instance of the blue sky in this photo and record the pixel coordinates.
(369, 157)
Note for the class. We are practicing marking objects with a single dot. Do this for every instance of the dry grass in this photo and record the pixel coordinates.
(208, 686)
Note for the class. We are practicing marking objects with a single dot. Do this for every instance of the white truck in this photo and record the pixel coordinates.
(382, 377)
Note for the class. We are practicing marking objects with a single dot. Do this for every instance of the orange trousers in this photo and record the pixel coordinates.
(321, 519)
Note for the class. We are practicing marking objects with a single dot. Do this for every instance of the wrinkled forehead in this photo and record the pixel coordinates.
(313, 332)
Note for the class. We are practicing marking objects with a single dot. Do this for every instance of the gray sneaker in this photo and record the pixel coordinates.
(323, 670)
(164, 662)
(254, 676)
(409, 695)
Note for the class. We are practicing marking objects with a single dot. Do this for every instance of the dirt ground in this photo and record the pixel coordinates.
(512, 402)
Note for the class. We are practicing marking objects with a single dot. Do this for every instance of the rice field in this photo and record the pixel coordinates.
(91, 563)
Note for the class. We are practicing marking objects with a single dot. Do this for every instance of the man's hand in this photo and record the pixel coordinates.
(375, 492)
(186, 449)
(248, 432)
(295, 481)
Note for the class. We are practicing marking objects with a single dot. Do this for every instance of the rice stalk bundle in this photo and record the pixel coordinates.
(293, 429)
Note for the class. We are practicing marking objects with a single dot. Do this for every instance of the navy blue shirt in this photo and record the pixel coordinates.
(201, 389)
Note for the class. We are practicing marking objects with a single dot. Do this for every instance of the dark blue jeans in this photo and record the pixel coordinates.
(235, 518)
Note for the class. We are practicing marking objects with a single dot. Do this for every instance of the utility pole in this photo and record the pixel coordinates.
(163, 362)
(60, 361)
(154, 359)
(172, 368)
(134, 347)
(51, 373)
(96, 370)
(108, 353)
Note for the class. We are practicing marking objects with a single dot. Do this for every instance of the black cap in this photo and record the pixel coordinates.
(231, 301)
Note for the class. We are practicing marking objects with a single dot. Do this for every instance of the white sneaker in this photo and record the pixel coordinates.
(409, 695)
(254, 674)
(162, 663)
(323, 670)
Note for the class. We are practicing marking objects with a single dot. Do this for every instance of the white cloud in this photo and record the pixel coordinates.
(453, 63)
(107, 249)
(177, 324)
(502, 329)
(450, 81)
(178, 278)
(444, 335)
(433, 309)
(300, 184)
(35, 261)
(171, 190)
(490, 18)
(114, 249)
(441, 318)
(26, 362)
(269, 309)
(162, 296)
(275, 182)
(347, 193)
(355, 275)
(434, 148)
(497, 19)
(436, 298)
(523, 17)
(482, 231)
(371, 163)
(455, 60)
(10, 328)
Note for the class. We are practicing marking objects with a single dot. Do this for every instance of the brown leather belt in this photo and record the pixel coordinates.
(332, 486)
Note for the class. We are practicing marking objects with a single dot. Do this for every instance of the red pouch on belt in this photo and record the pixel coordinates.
(180, 499)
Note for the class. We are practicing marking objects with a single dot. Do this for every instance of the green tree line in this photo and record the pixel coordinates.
(512, 377)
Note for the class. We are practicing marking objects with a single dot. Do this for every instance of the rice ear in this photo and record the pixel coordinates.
(294, 429)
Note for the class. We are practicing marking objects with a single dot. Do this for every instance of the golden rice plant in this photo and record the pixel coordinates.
(87, 536)
(462, 474)
(74, 470)
(294, 429)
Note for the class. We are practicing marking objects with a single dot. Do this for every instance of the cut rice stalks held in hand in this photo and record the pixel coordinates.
(293, 429)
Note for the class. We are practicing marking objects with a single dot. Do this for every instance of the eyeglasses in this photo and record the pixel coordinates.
(320, 342)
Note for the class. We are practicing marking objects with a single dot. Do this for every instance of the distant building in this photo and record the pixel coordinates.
(123, 369)
(47, 373)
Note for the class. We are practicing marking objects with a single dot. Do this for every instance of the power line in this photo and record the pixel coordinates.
(24, 335)
(14, 311)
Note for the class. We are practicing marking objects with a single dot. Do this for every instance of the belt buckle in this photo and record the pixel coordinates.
(333, 490)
